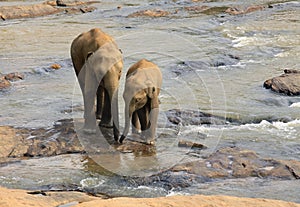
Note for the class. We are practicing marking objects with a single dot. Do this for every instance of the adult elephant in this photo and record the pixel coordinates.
(142, 87)
(98, 64)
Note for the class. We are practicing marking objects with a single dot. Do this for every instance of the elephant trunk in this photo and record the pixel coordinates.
(113, 96)
(128, 115)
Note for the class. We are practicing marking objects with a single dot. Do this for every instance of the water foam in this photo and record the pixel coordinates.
(297, 104)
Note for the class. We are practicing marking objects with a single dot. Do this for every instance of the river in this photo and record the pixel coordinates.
(213, 62)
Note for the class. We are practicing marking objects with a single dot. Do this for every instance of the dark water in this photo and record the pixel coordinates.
(212, 62)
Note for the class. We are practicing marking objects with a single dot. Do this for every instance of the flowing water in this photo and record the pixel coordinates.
(212, 62)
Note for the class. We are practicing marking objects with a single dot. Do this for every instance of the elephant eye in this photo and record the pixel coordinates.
(138, 100)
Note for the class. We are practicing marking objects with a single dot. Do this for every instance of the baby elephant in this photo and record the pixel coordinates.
(142, 87)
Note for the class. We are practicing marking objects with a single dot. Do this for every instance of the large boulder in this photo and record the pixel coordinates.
(287, 83)
(149, 13)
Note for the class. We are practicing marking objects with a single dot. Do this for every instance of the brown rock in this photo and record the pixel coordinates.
(55, 66)
(4, 83)
(87, 9)
(196, 8)
(184, 143)
(150, 13)
(14, 76)
(43, 9)
(288, 83)
(23, 198)
(26, 11)
(22, 142)
(250, 9)
(234, 162)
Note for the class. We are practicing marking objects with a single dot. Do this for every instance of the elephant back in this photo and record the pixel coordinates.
(140, 64)
(86, 44)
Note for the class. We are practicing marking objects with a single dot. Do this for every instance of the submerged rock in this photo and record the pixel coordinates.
(149, 13)
(287, 83)
(250, 9)
(192, 117)
(5, 80)
(4, 84)
(189, 144)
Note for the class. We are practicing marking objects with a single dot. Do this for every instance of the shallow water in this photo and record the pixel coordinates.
(214, 63)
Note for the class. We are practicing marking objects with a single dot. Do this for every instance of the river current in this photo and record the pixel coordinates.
(212, 62)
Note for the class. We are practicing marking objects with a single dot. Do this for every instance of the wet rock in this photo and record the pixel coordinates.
(149, 13)
(189, 144)
(238, 163)
(4, 84)
(23, 142)
(206, 9)
(5, 80)
(27, 11)
(55, 66)
(71, 3)
(87, 9)
(14, 76)
(287, 83)
(250, 9)
(137, 148)
(226, 163)
(190, 117)
(43, 9)
(225, 60)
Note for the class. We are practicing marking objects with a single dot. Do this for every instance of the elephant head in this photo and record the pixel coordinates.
(142, 87)
(98, 64)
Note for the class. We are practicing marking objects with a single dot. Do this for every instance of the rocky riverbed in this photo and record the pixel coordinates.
(248, 144)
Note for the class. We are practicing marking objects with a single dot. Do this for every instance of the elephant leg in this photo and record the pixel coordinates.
(136, 127)
(106, 112)
(89, 85)
(100, 102)
(143, 115)
(152, 111)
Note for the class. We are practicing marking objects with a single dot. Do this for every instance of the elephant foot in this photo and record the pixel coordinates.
(121, 139)
(150, 142)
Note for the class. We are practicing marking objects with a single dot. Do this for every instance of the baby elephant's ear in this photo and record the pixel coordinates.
(151, 91)
(88, 55)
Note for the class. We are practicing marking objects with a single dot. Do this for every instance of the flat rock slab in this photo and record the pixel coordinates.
(233, 162)
(44, 9)
(287, 83)
(23, 198)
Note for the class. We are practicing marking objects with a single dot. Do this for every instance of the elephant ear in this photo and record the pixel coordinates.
(88, 55)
